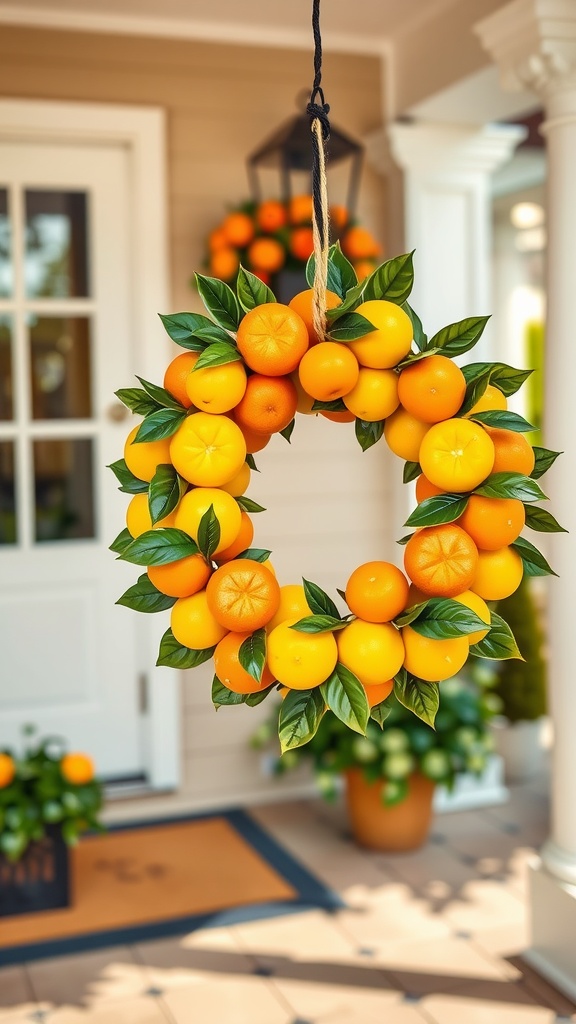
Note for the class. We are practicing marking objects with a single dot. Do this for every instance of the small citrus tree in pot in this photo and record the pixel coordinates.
(391, 773)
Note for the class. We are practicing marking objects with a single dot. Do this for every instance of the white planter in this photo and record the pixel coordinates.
(524, 747)
(472, 791)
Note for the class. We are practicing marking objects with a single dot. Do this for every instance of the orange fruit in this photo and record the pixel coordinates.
(239, 483)
(300, 660)
(373, 651)
(144, 457)
(268, 405)
(7, 770)
(227, 511)
(338, 417)
(302, 304)
(404, 434)
(441, 560)
(182, 578)
(293, 605)
(374, 396)
(490, 400)
(359, 244)
(300, 210)
(329, 370)
(433, 660)
(271, 215)
(478, 605)
(207, 450)
(266, 254)
(432, 389)
(424, 489)
(255, 441)
(242, 542)
(238, 229)
(272, 339)
(301, 243)
(177, 373)
(193, 624)
(377, 592)
(338, 216)
(513, 453)
(138, 516)
(217, 240)
(493, 522)
(377, 692)
(224, 264)
(364, 268)
(390, 341)
(243, 595)
(77, 768)
(456, 455)
(229, 670)
(498, 574)
(217, 389)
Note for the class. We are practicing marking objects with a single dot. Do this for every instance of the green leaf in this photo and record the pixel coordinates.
(193, 330)
(477, 380)
(352, 299)
(441, 619)
(319, 624)
(251, 463)
(208, 533)
(337, 405)
(159, 425)
(350, 327)
(252, 291)
(300, 716)
(346, 698)
(122, 542)
(404, 540)
(144, 597)
(248, 505)
(511, 485)
(334, 280)
(166, 489)
(380, 712)
(129, 483)
(174, 655)
(543, 521)
(255, 554)
(503, 420)
(287, 432)
(417, 695)
(348, 276)
(411, 613)
(420, 339)
(544, 458)
(252, 654)
(159, 547)
(368, 433)
(533, 560)
(457, 338)
(161, 396)
(137, 400)
(499, 643)
(442, 508)
(411, 471)
(220, 301)
(223, 697)
(318, 601)
(393, 280)
(253, 699)
(218, 354)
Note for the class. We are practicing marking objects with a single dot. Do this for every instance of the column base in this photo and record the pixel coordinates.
(553, 926)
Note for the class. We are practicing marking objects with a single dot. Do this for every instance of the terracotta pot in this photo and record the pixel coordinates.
(404, 826)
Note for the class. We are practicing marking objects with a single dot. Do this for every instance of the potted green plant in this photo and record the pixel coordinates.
(47, 798)
(391, 773)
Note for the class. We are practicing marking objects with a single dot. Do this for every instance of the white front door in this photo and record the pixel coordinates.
(68, 656)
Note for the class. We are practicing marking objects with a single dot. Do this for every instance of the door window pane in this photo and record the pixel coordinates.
(64, 492)
(7, 494)
(5, 247)
(60, 367)
(56, 244)
(6, 385)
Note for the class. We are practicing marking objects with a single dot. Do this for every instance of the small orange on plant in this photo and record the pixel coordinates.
(144, 457)
(7, 770)
(329, 370)
(404, 434)
(377, 592)
(239, 483)
(238, 229)
(300, 210)
(193, 624)
(207, 450)
(493, 522)
(364, 268)
(433, 660)
(373, 651)
(196, 503)
(229, 670)
(293, 605)
(512, 452)
(302, 304)
(243, 595)
(177, 373)
(338, 417)
(138, 519)
(359, 244)
(271, 215)
(255, 441)
(478, 605)
(374, 396)
(300, 660)
(441, 560)
(182, 578)
(390, 341)
(272, 339)
(217, 240)
(338, 216)
(301, 243)
(425, 489)
(377, 692)
(498, 574)
(224, 263)
(492, 399)
(266, 254)
(242, 542)
(432, 389)
(217, 389)
(268, 405)
(78, 769)
(456, 455)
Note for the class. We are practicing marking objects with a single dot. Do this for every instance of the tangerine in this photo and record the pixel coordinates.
(238, 229)
(498, 574)
(302, 304)
(77, 768)
(177, 373)
(229, 670)
(224, 263)
(300, 660)
(301, 243)
(182, 578)
(138, 519)
(144, 457)
(239, 483)
(441, 560)
(243, 595)
(271, 215)
(377, 592)
(478, 605)
(374, 396)
(196, 503)
(293, 605)
(266, 254)
(377, 692)
(390, 341)
(404, 434)
(272, 339)
(217, 389)
(242, 542)
(493, 522)
(193, 624)
(492, 399)
(432, 389)
(513, 453)
(207, 450)
(374, 652)
(7, 770)
(269, 404)
(425, 489)
(456, 455)
(359, 244)
(433, 660)
(328, 370)
(301, 209)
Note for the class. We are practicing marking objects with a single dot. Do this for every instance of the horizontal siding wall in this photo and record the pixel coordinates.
(328, 504)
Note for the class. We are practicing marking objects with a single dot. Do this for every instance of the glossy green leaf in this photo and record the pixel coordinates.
(346, 698)
(219, 300)
(420, 338)
(411, 613)
(544, 458)
(393, 280)
(218, 354)
(252, 291)
(511, 485)
(318, 600)
(252, 654)
(543, 521)
(129, 484)
(160, 424)
(457, 338)
(159, 547)
(411, 471)
(502, 419)
(404, 540)
(319, 624)
(533, 560)
(442, 508)
(255, 554)
(368, 433)
(300, 716)
(166, 489)
(174, 655)
(287, 432)
(161, 396)
(380, 712)
(137, 400)
(417, 695)
(121, 542)
(248, 505)
(350, 327)
(442, 618)
(223, 697)
(208, 533)
(193, 330)
(499, 643)
(253, 699)
(336, 405)
(144, 597)
(252, 463)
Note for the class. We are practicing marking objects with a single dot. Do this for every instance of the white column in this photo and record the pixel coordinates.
(534, 44)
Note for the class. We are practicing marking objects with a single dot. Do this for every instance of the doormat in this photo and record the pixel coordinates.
(154, 879)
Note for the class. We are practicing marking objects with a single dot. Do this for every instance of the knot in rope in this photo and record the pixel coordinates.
(319, 112)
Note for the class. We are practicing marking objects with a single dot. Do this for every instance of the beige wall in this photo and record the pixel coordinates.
(328, 501)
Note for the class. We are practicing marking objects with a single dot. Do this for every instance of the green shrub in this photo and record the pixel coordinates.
(521, 685)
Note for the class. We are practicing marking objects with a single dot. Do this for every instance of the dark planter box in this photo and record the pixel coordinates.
(39, 881)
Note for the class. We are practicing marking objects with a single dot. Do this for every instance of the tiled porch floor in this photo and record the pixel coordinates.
(432, 937)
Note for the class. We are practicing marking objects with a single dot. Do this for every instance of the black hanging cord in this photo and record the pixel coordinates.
(317, 111)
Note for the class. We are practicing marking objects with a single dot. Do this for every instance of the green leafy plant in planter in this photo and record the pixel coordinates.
(521, 685)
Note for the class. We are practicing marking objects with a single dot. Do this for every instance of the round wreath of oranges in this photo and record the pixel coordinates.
(246, 370)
